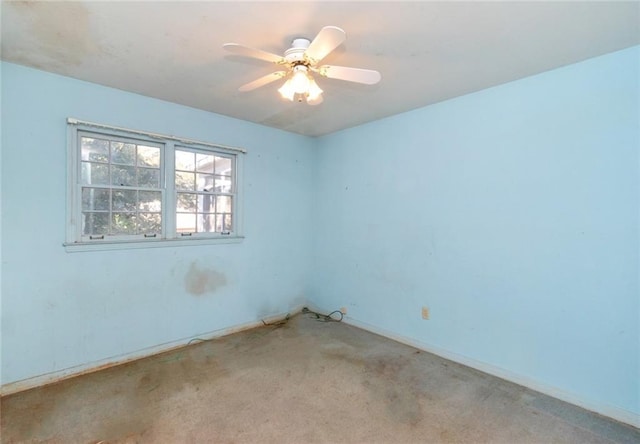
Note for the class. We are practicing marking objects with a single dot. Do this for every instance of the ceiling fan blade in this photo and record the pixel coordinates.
(242, 50)
(328, 39)
(366, 76)
(262, 81)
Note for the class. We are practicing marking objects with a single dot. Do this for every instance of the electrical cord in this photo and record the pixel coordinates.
(319, 317)
(322, 317)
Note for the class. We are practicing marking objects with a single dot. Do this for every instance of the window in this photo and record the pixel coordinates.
(128, 187)
(204, 188)
(119, 187)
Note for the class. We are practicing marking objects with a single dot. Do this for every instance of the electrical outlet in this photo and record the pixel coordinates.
(343, 310)
(425, 313)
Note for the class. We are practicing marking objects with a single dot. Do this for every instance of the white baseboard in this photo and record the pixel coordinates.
(613, 412)
(59, 375)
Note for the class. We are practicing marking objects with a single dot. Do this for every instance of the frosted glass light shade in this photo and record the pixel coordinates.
(314, 91)
(300, 81)
(287, 91)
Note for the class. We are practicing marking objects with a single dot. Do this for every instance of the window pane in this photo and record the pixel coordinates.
(123, 175)
(206, 223)
(186, 203)
(95, 223)
(185, 181)
(150, 200)
(124, 153)
(149, 177)
(223, 222)
(223, 184)
(185, 160)
(149, 223)
(125, 200)
(95, 199)
(204, 182)
(148, 156)
(186, 223)
(95, 150)
(223, 204)
(223, 166)
(123, 223)
(227, 223)
(206, 203)
(204, 163)
(95, 173)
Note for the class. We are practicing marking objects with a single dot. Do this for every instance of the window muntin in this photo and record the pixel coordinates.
(134, 188)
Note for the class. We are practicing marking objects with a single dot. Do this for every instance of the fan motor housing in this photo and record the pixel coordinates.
(296, 52)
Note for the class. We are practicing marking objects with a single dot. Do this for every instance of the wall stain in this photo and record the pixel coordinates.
(199, 281)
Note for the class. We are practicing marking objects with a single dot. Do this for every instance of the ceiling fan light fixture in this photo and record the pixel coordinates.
(301, 84)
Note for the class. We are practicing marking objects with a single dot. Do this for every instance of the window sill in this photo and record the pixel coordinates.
(130, 245)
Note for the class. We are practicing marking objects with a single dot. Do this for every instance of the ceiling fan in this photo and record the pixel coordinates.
(300, 61)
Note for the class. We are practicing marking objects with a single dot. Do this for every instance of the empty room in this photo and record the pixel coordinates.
(320, 221)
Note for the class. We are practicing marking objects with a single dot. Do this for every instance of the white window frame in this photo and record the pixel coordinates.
(75, 241)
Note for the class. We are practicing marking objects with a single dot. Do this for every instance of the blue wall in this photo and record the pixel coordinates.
(511, 213)
(61, 309)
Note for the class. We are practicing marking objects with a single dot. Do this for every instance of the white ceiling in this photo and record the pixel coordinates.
(426, 51)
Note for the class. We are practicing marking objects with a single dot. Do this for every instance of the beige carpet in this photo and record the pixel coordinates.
(304, 381)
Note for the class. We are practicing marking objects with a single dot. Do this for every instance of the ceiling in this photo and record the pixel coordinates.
(427, 52)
